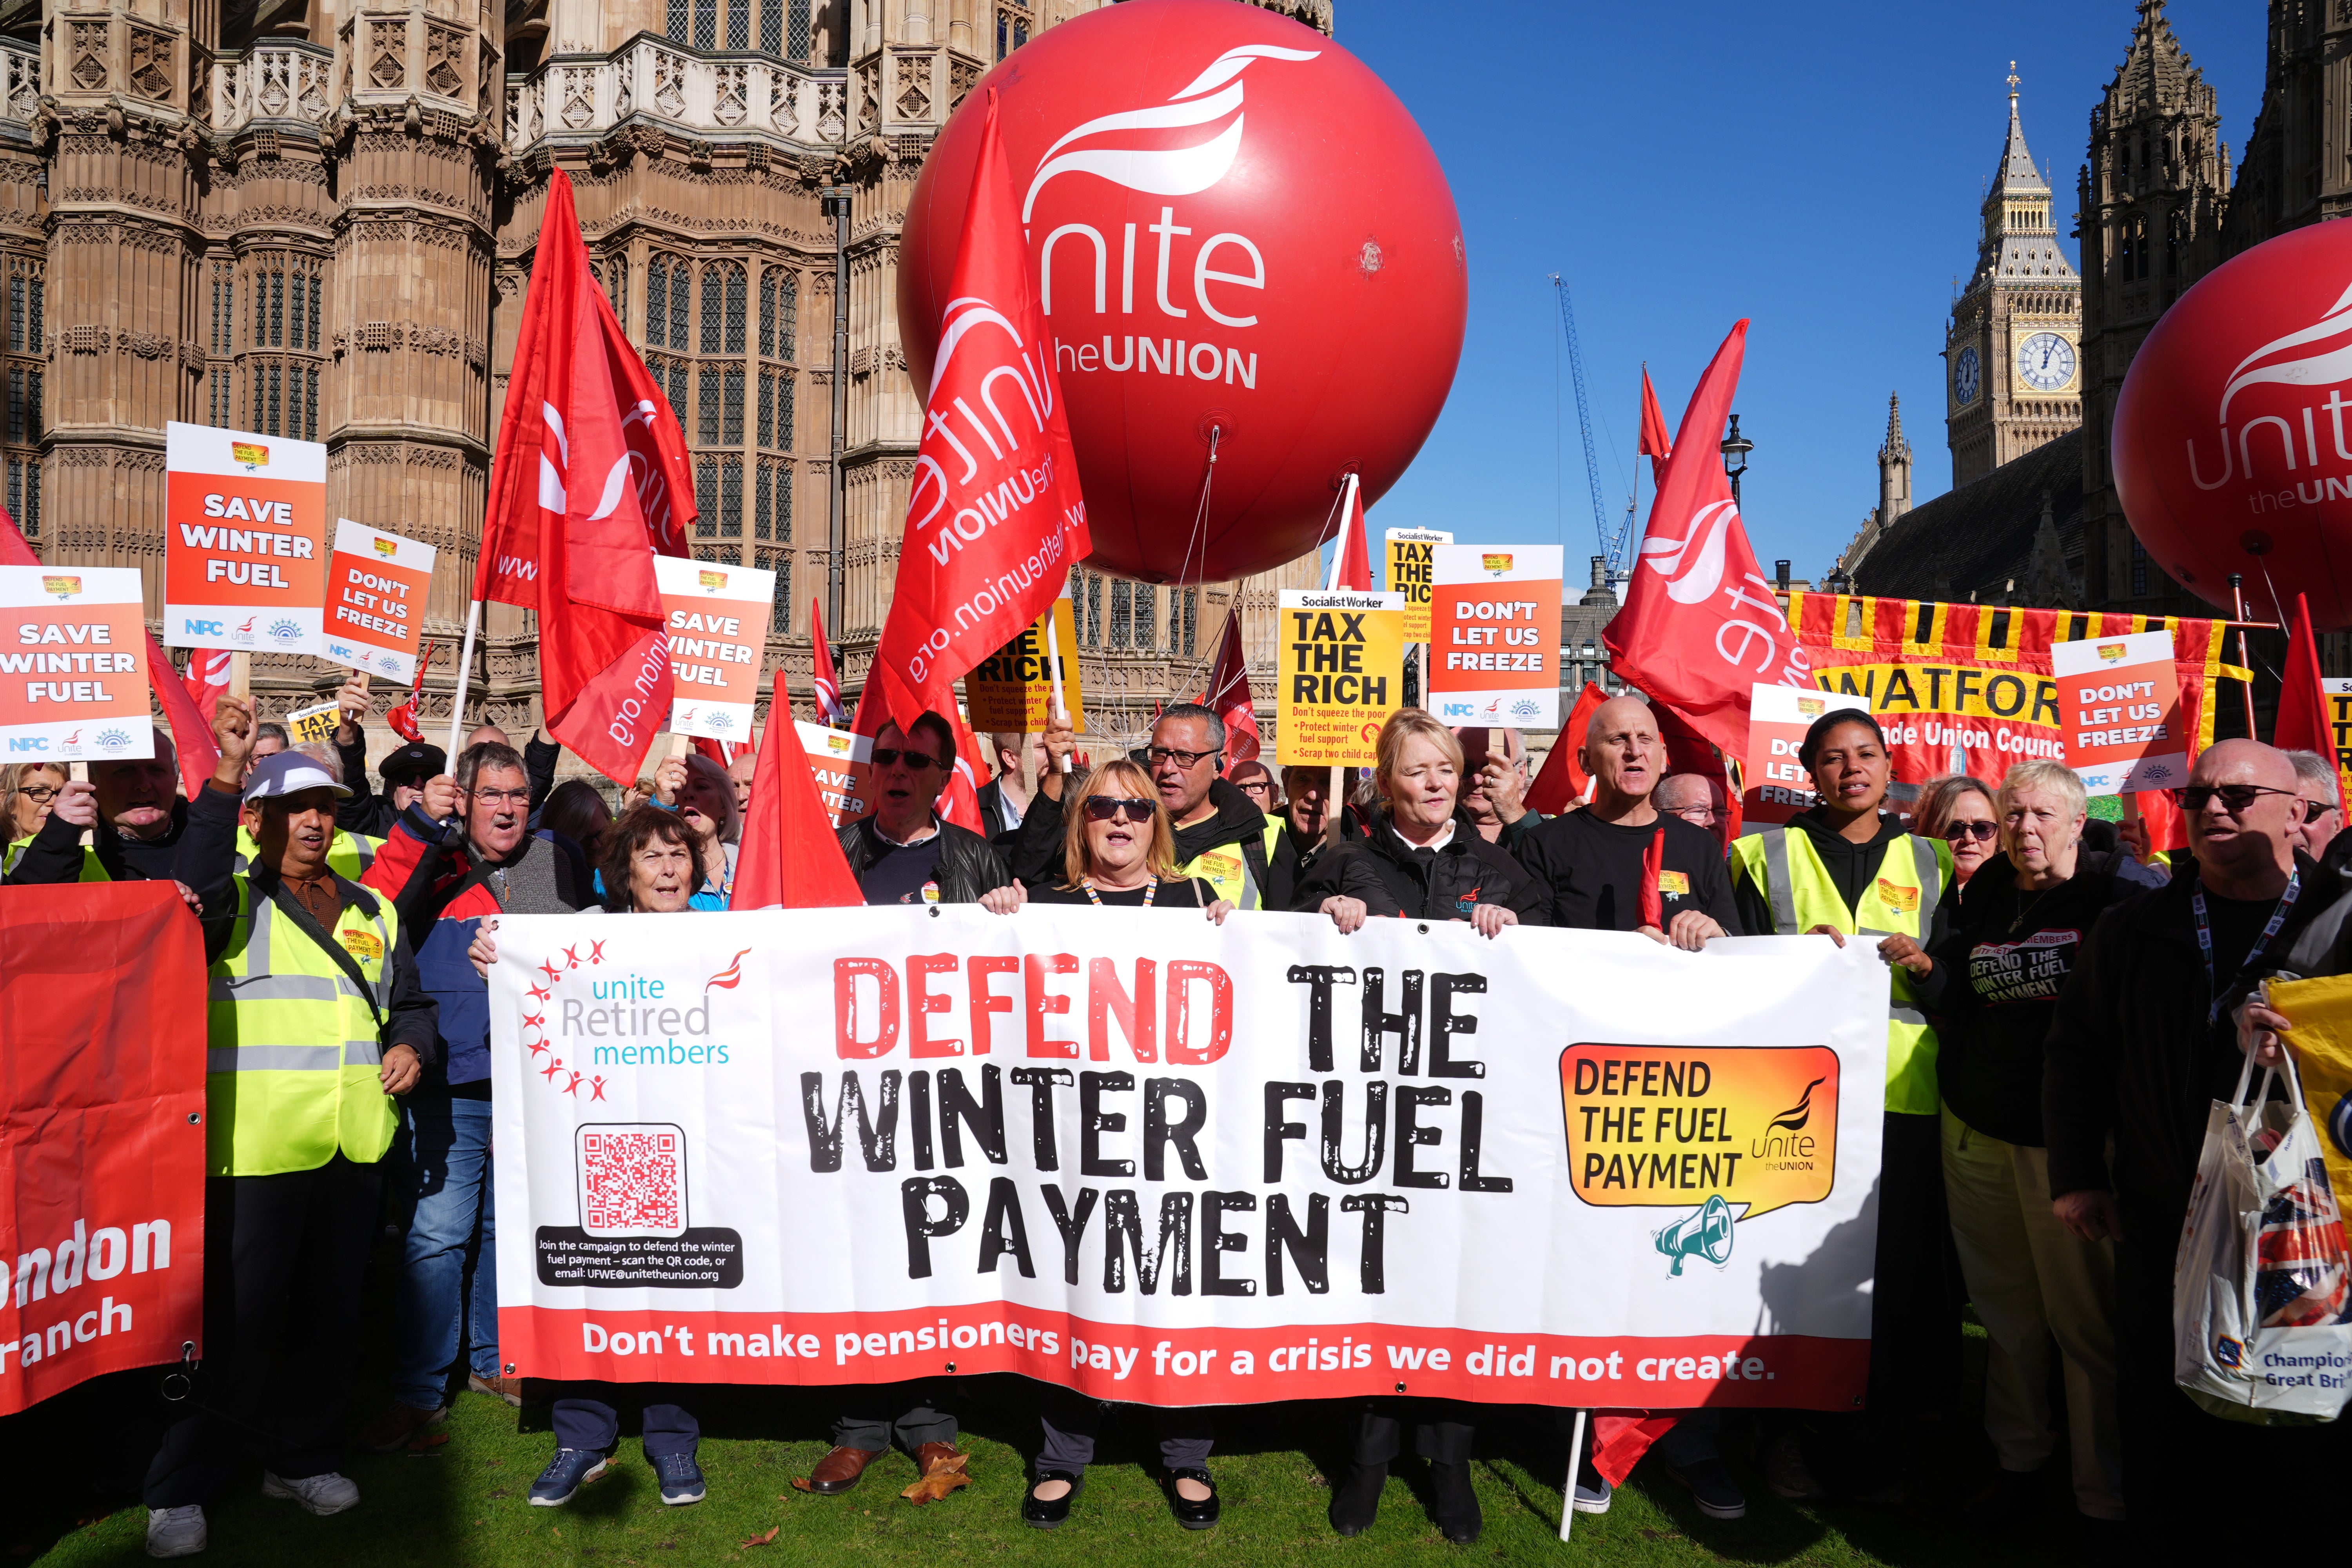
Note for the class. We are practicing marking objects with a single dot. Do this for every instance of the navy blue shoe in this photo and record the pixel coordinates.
(681, 1478)
(570, 1469)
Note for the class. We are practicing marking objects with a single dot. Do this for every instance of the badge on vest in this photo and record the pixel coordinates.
(1896, 897)
(930, 892)
(1674, 884)
(362, 944)
(1219, 866)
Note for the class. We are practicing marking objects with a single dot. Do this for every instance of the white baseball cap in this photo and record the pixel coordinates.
(289, 772)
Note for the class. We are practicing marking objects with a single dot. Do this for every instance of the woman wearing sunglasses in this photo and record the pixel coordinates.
(1117, 850)
(2019, 934)
(1959, 811)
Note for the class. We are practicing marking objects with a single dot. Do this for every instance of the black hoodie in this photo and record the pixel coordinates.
(1852, 868)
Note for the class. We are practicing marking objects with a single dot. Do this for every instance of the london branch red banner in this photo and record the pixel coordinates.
(101, 1134)
(994, 518)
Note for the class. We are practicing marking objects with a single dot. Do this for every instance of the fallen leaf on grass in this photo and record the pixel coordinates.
(765, 1540)
(946, 1475)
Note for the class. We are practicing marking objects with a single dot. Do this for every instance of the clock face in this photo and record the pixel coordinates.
(1966, 374)
(2046, 362)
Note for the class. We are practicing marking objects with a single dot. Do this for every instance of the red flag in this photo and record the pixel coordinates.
(826, 679)
(1620, 1438)
(564, 484)
(1656, 444)
(720, 752)
(960, 802)
(995, 517)
(207, 678)
(192, 733)
(1700, 625)
(791, 857)
(2305, 723)
(1563, 778)
(404, 719)
(1654, 862)
(1229, 696)
(2166, 830)
(1355, 566)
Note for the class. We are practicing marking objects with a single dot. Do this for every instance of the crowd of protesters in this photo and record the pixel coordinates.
(2064, 1001)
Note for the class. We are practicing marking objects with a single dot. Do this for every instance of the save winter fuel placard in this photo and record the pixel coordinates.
(244, 555)
(842, 763)
(1164, 1162)
(376, 586)
(718, 635)
(73, 664)
(1494, 634)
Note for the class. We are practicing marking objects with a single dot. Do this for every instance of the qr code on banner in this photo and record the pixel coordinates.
(632, 1179)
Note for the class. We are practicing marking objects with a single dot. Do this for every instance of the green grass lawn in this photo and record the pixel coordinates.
(461, 1502)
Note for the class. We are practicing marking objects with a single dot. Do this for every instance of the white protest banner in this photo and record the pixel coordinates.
(1494, 634)
(2119, 712)
(73, 664)
(1161, 1161)
(376, 585)
(717, 636)
(842, 763)
(245, 551)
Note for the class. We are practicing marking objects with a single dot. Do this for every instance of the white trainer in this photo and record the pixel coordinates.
(176, 1532)
(321, 1495)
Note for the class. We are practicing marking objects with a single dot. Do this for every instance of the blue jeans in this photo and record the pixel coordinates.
(451, 1241)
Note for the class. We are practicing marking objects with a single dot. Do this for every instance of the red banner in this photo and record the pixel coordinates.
(101, 1134)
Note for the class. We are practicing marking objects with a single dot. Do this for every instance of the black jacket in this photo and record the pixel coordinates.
(1004, 841)
(1037, 855)
(1393, 878)
(2008, 954)
(968, 866)
(1293, 856)
(2130, 1055)
(363, 810)
(54, 853)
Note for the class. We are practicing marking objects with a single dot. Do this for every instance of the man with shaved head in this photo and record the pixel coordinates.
(2141, 1048)
(1589, 862)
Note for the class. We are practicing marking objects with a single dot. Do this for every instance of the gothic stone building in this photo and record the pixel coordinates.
(317, 218)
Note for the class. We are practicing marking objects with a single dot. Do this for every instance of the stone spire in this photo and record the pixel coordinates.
(2020, 239)
(1893, 467)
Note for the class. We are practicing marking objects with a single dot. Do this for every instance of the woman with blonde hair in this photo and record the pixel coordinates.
(1119, 849)
(27, 790)
(2018, 936)
(1959, 811)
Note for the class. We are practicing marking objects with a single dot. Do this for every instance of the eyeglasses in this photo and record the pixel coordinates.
(1104, 807)
(1254, 787)
(886, 755)
(2313, 810)
(1159, 754)
(1700, 814)
(41, 794)
(502, 796)
(1981, 832)
(2235, 798)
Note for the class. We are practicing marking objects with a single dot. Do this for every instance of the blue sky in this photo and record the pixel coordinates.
(1817, 167)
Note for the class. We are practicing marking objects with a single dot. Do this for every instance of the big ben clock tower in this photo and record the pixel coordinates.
(2012, 356)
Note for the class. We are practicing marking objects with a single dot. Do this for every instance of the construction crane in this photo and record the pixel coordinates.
(1613, 547)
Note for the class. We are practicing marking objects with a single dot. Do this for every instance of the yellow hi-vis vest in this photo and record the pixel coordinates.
(294, 1050)
(1226, 869)
(349, 855)
(1901, 901)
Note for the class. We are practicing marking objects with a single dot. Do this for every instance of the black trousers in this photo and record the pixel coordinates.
(284, 1258)
(1442, 1431)
(880, 1411)
(1072, 1422)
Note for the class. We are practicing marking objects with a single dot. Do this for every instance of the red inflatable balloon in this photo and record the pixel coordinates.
(1240, 233)
(2233, 449)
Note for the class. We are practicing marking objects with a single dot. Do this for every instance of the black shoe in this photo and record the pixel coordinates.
(2012, 1499)
(1457, 1506)
(1356, 1501)
(1039, 1514)
(1711, 1487)
(1201, 1515)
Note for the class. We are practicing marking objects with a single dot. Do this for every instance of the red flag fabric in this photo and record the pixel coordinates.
(564, 484)
(994, 518)
(1355, 568)
(1688, 751)
(1656, 445)
(1563, 779)
(192, 732)
(720, 752)
(2166, 830)
(404, 719)
(207, 678)
(960, 802)
(1229, 696)
(789, 858)
(1620, 1438)
(828, 681)
(1700, 625)
(2304, 720)
(1653, 861)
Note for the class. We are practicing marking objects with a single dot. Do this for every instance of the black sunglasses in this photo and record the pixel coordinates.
(2235, 798)
(1104, 807)
(886, 755)
(1981, 832)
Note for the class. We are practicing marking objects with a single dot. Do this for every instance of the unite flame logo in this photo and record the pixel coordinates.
(2329, 364)
(1693, 565)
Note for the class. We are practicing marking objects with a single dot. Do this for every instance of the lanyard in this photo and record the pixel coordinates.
(1150, 891)
(2205, 940)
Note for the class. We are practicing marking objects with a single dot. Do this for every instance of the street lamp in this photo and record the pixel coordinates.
(1839, 582)
(1736, 448)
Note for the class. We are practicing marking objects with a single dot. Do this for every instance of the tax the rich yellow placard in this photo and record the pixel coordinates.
(1012, 689)
(1412, 573)
(1340, 673)
(1674, 1126)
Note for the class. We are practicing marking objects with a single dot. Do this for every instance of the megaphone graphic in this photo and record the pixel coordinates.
(1704, 1232)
